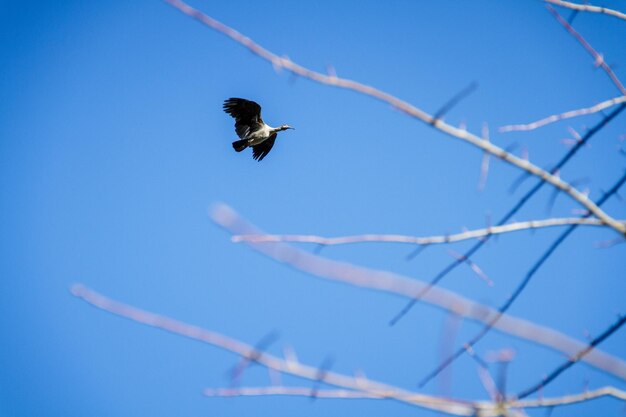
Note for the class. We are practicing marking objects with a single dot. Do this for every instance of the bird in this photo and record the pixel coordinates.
(250, 127)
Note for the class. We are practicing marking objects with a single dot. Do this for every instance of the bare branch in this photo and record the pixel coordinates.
(588, 8)
(422, 241)
(322, 370)
(598, 58)
(407, 287)
(567, 115)
(485, 145)
(572, 399)
(288, 391)
(519, 289)
(370, 387)
(357, 387)
(349, 394)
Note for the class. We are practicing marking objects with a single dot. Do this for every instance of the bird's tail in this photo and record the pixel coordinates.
(240, 145)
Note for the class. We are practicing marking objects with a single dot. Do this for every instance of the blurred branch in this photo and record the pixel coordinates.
(397, 284)
(257, 351)
(519, 289)
(357, 387)
(598, 58)
(567, 115)
(429, 240)
(290, 367)
(587, 8)
(456, 99)
(485, 145)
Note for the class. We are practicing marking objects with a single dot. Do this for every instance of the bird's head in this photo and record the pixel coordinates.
(285, 127)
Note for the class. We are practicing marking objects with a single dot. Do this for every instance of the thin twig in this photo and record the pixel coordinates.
(422, 241)
(588, 8)
(520, 288)
(572, 399)
(489, 384)
(455, 100)
(567, 115)
(485, 145)
(396, 284)
(287, 391)
(574, 359)
(245, 361)
(349, 394)
(473, 266)
(598, 58)
(322, 370)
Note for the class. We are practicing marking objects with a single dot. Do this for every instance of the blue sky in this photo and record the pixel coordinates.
(113, 147)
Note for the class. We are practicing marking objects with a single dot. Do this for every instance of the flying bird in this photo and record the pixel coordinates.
(251, 128)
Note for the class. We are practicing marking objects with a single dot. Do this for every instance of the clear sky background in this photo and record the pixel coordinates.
(113, 147)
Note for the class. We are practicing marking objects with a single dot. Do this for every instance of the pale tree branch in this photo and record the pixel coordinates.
(416, 240)
(397, 284)
(520, 288)
(291, 367)
(572, 399)
(353, 387)
(409, 109)
(567, 115)
(349, 394)
(588, 8)
(598, 58)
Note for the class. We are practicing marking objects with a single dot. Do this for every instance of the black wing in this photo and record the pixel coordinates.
(259, 151)
(247, 115)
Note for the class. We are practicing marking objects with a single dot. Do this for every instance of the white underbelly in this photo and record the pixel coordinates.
(258, 136)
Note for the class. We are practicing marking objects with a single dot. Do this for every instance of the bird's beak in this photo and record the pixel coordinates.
(292, 128)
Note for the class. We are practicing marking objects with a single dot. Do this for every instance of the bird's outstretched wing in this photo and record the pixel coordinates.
(247, 115)
(259, 151)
